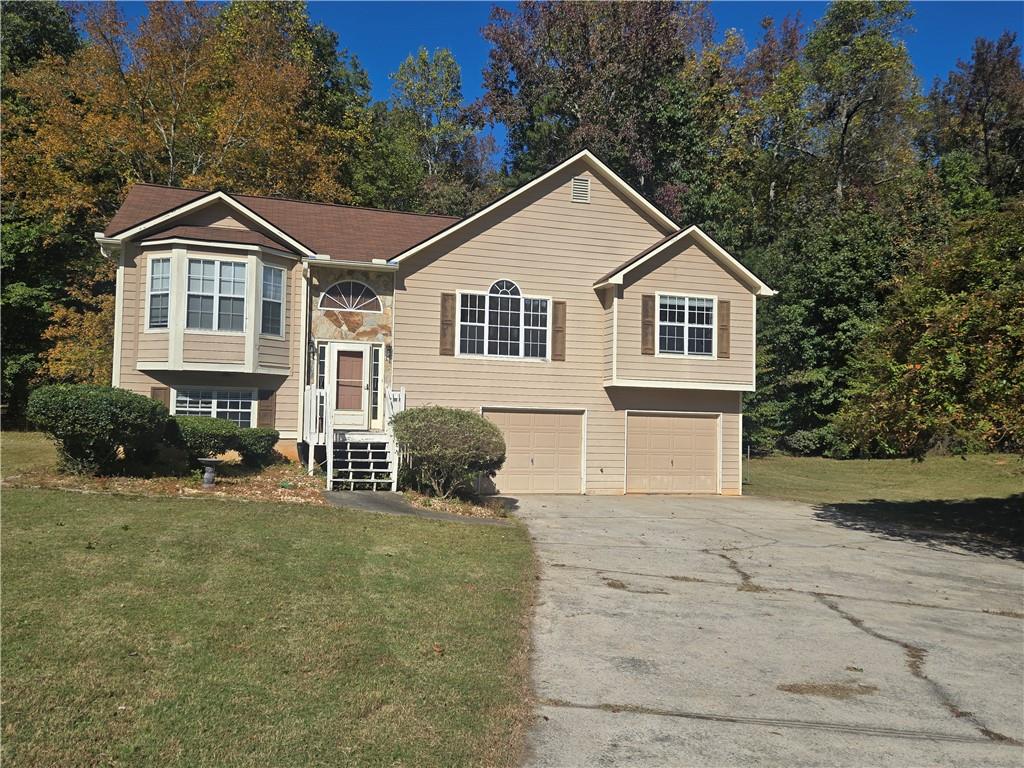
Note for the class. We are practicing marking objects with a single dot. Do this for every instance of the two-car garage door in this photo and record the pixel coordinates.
(671, 453)
(544, 451)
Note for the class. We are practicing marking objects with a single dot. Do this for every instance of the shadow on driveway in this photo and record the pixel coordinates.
(986, 526)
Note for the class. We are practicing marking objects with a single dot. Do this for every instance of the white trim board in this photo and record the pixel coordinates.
(666, 384)
(586, 156)
(729, 261)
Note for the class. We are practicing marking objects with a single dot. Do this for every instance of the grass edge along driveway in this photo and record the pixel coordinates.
(202, 632)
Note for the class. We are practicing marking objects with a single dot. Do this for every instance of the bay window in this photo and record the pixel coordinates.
(159, 292)
(216, 295)
(271, 316)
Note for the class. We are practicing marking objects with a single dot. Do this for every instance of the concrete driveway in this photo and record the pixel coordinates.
(716, 632)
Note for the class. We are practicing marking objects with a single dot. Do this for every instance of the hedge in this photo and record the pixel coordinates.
(256, 445)
(204, 437)
(98, 430)
(447, 448)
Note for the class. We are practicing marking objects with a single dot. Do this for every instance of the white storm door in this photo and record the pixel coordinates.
(349, 374)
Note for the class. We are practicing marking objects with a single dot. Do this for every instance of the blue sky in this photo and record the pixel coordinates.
(382, 34)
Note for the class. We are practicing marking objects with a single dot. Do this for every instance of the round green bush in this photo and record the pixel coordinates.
(204, 437)
(98, 430)
(256, 445)
(446, 448)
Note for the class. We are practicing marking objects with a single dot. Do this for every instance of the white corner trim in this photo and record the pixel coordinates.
(202, 202)
(668, 384)
(595, 165)
(115, 367)
(730, 261)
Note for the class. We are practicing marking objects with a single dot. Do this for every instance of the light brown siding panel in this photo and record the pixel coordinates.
(691, 272)
(553, 248)
(213, 348)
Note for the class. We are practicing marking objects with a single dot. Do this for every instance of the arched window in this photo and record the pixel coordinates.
(350, 296)
(503, 322)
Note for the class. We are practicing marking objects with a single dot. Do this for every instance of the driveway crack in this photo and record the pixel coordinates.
(915, 657)
(747, 583)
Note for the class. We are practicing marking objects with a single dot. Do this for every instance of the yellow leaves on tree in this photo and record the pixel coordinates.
(82, 333)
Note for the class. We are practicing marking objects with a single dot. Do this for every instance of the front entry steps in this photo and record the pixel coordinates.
(362, 461)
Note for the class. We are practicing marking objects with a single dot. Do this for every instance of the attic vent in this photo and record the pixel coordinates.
(581, 189)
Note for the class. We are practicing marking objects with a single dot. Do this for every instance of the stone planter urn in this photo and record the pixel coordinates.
(210, 472)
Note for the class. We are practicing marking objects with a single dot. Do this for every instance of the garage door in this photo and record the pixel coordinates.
(670, 453)
(544, 451)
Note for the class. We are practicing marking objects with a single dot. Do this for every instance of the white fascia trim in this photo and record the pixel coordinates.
(207, 200)
(664, 384)
(217, 244)
(157, 365)
(585, 155)
(377, 265)
(760, 288)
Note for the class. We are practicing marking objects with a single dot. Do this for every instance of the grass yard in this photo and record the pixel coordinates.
(976, 503)
(148, 631)
(816, 480)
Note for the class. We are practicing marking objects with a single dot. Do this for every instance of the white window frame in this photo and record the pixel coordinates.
(253, 393)
(686, 324)
(522, 325)
(380, 301)
(246, 310)
(150, 260)
(284, 296)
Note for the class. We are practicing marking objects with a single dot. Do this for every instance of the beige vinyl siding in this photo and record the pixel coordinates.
(551, 247)
(290, 391)
(213, 347)
(152, 344)
(688, 271)
(270, 350)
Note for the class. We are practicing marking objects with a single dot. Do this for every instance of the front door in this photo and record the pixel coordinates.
(350, 380)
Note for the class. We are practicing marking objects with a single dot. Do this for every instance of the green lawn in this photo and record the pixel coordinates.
(22, 451)
(816, 480)
(185, 632)
(976, 503)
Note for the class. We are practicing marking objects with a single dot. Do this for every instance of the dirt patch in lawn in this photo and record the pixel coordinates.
(480, 507)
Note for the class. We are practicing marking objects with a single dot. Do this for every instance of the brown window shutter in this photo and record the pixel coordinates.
(558, 330)
(161, 395)
(723, 330)
(647, 324)
(447, 324)
(266, 408)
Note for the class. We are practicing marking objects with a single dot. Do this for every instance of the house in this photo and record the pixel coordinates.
(611, 346)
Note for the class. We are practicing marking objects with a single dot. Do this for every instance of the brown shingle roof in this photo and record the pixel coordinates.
(219, 235)
(635, 259)
(343, 232)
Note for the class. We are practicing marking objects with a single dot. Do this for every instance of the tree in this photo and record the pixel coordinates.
(36, 255)
(979, 110)
(567, 76)
(862, 92)
(80, 332)
(943, 367)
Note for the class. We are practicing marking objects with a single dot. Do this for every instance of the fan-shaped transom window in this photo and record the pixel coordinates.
(350, 296)
(503, 322)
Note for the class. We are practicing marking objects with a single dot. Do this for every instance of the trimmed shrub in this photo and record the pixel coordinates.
(204, 437)
(448, 447)
(256, 445)
(98, 430)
